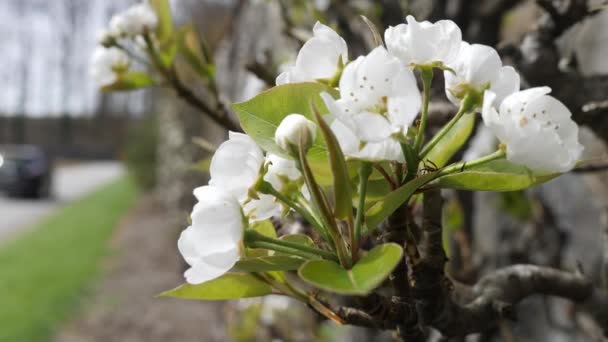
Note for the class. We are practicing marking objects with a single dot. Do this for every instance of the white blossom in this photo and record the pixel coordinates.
(423, 43)
(136, 20)
(478, 66)
(106, 63)
(235, 167)
(353, 147)
(295, 129)
(379, 100)
(536, 128)
(281, 171)
(318, 58)
(211, 244)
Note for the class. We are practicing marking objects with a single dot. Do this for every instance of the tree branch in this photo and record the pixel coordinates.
(496, 293)
(221, 115)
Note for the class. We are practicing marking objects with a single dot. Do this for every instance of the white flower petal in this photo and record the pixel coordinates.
(284, 77)
(318, 58)
(211, 266)
(212, 242)
(280, 168)
(104, 62)
(388, 149)
(236, 164)
(372, 127)
(263, 208)
(405, 100)
(136, 20)
(217, 222)
(506, 83)
(424, 42)
(515, 102)
(483, 64)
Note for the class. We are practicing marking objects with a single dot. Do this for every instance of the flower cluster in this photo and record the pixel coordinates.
(379, 98)
(372, 104)
(110, 59)
(107, 63)
(231, 202)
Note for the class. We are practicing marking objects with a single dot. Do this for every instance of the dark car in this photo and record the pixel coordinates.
(25, 171)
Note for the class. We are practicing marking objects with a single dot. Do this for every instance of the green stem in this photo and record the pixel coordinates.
(364, 172)
(255, 239)
(285, 288)
(266, 188)
(299, 294)
(427, 77)
(322, 207)
(462, 166)
(466, 106)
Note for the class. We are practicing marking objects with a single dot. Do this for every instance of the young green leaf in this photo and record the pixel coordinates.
(342, 191)
(452, 141)
(164, 29)
(130, 81)
(302, 239)
(270, 263)
(261, 115)
(384, 208)
(228, 286)
(497, 175)
(189, 45)
(265, 228)
(367, 274)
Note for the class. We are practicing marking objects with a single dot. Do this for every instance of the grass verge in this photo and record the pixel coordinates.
(44, 273)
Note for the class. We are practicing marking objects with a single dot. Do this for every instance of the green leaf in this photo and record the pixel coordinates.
(130, 81)
(265, 228)
(270, 263)
(164, 30)
(343, 208)
(498, 175)
(452, 141)
(363, 278)
(261, 115)
(376, 190)
(302, 239)
(384, 208)
(167, 51)
(228, 286)
(190, 48)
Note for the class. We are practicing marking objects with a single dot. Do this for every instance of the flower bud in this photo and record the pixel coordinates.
(295, 129)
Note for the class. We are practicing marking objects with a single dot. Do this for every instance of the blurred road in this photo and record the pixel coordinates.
(70, 182)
